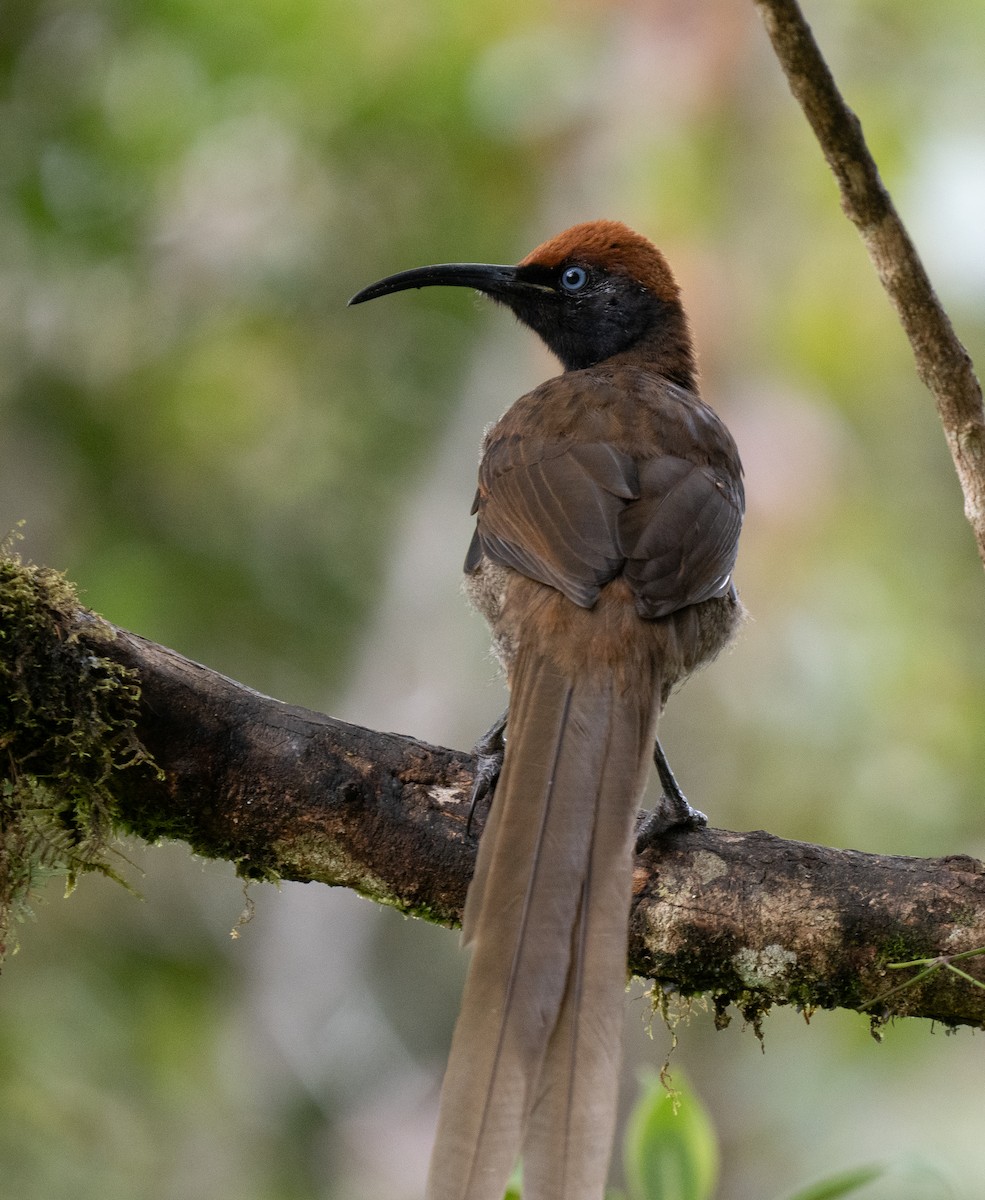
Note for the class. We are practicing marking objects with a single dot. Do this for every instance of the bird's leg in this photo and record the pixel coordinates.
(489, 751)
(672, 811)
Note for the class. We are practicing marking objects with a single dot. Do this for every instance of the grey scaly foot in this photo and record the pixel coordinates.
(672, 811)
(489, 751)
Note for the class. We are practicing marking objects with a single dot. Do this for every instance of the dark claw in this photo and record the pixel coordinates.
(489, 751)
(672, 811)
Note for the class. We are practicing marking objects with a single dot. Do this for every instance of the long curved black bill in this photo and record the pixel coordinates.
(483, 277)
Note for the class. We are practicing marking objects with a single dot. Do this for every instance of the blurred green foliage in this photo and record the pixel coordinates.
(225, 459)
(183, 188)
(670, 1151)
(845, 1183)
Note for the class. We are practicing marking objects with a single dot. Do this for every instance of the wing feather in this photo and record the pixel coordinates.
(551, 509)
(575, 515)
(681, 537)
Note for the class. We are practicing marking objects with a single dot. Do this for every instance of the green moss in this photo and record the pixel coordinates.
(896, 949)
(427, 912)
(966, 917)
(67, 721)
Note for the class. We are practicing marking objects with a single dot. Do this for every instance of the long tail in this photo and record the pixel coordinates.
(535, 1057)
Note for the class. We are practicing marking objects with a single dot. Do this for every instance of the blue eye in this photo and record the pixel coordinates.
(573, 279)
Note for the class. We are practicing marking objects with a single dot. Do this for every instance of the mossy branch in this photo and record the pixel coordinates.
(102, 728)
(67, 727)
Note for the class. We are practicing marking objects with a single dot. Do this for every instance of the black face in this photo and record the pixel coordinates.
(584, 314)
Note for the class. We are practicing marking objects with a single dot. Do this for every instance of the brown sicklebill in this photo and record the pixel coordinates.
(607, 522)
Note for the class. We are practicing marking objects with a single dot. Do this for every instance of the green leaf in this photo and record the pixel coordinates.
(671, 1151)
(514, 1189)
(842, 1184)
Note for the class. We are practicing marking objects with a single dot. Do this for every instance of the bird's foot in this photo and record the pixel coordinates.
(489, 751)
(666, 816)
(673, 810)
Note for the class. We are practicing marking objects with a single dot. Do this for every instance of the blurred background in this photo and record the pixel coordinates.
(228, 461)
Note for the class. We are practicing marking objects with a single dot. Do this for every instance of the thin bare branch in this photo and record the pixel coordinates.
(942, 362)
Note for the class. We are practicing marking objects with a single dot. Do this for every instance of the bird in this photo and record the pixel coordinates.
(608, 510)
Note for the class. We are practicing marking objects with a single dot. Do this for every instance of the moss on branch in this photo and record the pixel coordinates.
(67, 724)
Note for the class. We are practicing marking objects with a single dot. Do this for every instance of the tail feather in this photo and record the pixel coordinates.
(535, 1054)
(569, 1135)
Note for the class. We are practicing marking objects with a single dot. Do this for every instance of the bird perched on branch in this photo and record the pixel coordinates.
(607, 522)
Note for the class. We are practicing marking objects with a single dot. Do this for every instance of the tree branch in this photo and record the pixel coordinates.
(287, 793)
(750, 918)
(942, 362)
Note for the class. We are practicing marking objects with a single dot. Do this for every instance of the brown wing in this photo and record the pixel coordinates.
(576, 515)
(550, 510)
(681, 537)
